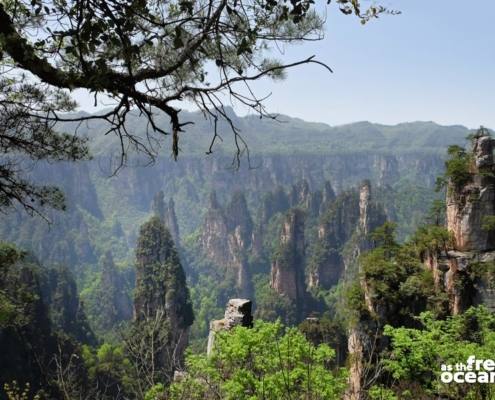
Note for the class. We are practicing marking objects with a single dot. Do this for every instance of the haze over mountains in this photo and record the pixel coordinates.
(282, 153)
(286, 134)
(286, 229)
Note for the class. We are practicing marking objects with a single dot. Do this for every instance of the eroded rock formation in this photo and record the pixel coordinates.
(287, 271)
(343, 235)
(468, 205)
(161, 295)
(166, 213)
(171, 222)
(463, 270)
(226, 237)
(237, 313)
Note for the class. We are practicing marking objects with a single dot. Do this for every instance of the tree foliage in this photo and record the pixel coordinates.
(265, 362)
(153, 55)
(26, 137)
(416, 354)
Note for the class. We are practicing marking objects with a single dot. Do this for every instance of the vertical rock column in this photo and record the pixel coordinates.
(237, 313)
(469, 204)
(287, 272)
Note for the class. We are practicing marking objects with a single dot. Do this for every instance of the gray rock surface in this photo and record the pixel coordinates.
(237, 313)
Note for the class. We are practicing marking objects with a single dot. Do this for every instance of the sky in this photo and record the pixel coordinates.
(433, 62)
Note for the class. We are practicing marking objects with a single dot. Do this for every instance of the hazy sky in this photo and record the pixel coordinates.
(434, 62)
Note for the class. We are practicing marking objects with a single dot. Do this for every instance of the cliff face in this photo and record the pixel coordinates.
(94, 198)
(171, 222)
(110, 303)
(67, 311)
(461, 258)
(226, 237)
(342, 235)
(469, 204)
(335, 228)
(166, 213)
(287, 270)
(160, 279)
(464, 271)
(273, 202)
(36, 306)
(237, 313)
(214, 232)
(161, 294)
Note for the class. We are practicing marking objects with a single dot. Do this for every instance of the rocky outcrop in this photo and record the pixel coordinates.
(214, 233)
(464, 277)
(371, 213)
(343, 235)
(364, 341)
(273, 202)
(171, 222)
(464, 271)
(158, 205)
(29, 339)
(67, 311)
(287, 270)
(387, 167)
(110, 302)
(355, 348)
(469, 204)
(300, 194)
(166, 213)
(335, 228)
(161, 296)
(328, 196)
(237, 313)
(227, 236)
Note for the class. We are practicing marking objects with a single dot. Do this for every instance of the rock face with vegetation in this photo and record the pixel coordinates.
(342, 235)
(471, 195)
(462, 265)
(335, 228)
(237, 313)
(287, 270)
(291, 235)
(111, 302)
(226, 237)
(67, 311)
(41, 322)
(166, 212)
(171, 221)
(161, 295)
(441, 269)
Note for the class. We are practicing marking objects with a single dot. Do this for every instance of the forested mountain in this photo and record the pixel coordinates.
(282, 153)
(290, 229)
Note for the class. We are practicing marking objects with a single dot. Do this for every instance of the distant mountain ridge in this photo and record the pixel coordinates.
(283, 153)
(287, 135)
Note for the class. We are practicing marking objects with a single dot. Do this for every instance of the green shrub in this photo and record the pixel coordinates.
(267, 362)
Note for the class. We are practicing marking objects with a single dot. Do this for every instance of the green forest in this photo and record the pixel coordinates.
(350, 289)
(176, 240)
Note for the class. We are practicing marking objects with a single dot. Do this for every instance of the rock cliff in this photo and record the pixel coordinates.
(110, 303)
(470, 203)
(237, 313)
(171, 222)
(465, 270)
(226, 237)
(342, 235)
(287, 269)
(161, 295)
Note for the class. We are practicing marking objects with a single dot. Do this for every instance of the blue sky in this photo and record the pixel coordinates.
(434, 62)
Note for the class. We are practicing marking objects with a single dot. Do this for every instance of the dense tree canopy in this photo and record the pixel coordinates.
(266, 362)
